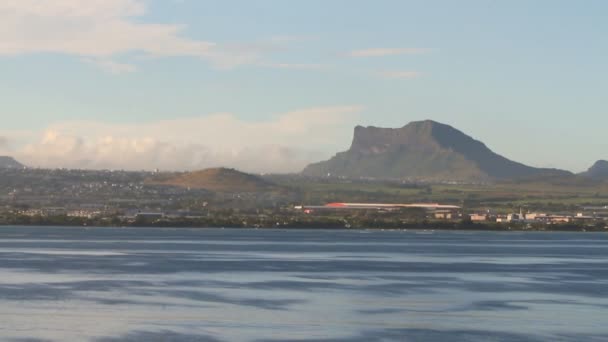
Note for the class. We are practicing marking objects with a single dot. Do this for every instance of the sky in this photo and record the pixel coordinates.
(272, 85)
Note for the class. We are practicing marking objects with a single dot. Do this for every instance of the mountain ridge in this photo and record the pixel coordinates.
(421, 150)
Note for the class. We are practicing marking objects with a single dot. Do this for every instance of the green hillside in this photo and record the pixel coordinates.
(216, 180)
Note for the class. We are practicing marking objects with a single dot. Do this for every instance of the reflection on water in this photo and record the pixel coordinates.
(107, 285)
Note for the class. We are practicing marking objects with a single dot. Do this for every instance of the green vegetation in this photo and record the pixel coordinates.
(548, 194)
(217, 180)
(107, 198)
(290, 220)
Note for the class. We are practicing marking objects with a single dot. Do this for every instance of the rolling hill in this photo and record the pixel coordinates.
(216, 180)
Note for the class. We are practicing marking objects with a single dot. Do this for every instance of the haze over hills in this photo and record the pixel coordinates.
(10, 163)
(598, 171)
(422, 150)
(216, 180)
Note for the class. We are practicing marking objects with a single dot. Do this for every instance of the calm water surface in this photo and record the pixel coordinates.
(106, 285)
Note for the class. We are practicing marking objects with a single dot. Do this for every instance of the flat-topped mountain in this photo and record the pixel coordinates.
(10, 163)
(421, 150)
(599, 170)
(216, 180)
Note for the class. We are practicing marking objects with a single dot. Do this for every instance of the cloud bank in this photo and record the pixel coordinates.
(285, 144)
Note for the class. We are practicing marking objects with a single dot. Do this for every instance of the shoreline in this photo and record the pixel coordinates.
(319, 225)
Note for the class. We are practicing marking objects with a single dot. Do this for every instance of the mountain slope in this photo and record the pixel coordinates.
(421, 150)
(10, 163)
(599, 170)
(217, 180)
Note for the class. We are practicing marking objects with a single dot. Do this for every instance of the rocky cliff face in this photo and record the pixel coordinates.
(421, 150)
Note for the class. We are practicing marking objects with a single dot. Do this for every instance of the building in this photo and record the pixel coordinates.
(478, 217)
(444, 215)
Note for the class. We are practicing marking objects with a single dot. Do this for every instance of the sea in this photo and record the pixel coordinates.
(148, 284)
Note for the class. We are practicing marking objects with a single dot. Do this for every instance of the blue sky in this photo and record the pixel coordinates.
(96, 84)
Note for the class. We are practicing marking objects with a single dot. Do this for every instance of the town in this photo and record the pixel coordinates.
(128, 198)
(589, 215)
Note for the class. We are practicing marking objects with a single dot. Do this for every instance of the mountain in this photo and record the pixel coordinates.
(216, 180)
(423, 150)
(599, 170)
(10, 163)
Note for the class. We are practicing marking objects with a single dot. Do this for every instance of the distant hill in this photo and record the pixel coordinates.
(599, 170)
(10, 163)
(216, 180)
(422, 150)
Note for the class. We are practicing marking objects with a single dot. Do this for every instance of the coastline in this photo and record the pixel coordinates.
(297, 223)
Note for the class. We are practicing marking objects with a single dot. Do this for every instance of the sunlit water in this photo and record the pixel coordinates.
(74, 284)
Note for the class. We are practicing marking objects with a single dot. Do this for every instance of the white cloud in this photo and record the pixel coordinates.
(382, 52)
(101, 30)
(73, 8)
(285, 144)
(399, 74)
